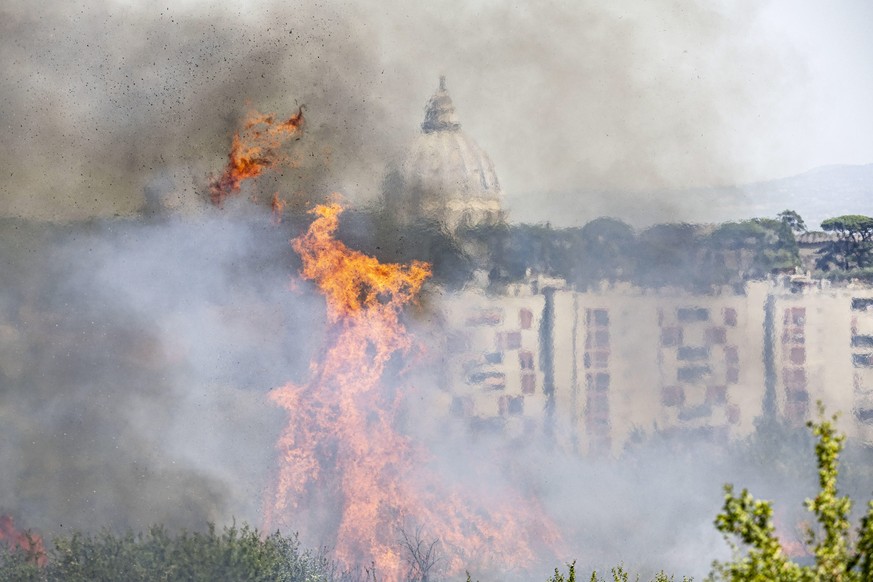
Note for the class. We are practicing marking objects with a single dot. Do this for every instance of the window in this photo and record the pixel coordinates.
(528, 383)
(525, 318)
(461, 406)
(690, 353)
(862, 341)
(480, 377)
(526, 360)
(862, 303)
(715, 335)
(692, 314)
(794, 336)
(598, 382)
(716, 394)
(730, 316)
(598, 317)
(692, 373)
(862, 360)
(695, 412)
(488, 380)
(599, 359)
(671, 336)
(732, 375)
(733, 414)
(601, 338)
(513, 405)
(672, 395)
(798, 396)
(797, 315)
(485, 317)
(795, 378)
(509, 340)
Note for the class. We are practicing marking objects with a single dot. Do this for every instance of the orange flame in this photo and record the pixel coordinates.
(254, 149)
(27, 542)
(341, 447)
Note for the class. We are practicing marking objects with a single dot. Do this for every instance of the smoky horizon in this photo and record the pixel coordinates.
(529, 285)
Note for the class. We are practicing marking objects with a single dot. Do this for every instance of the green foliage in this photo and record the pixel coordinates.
(608, 250)
(792, 221)
(619, 574)
(853, 245)
(751, 521)
(837, 558)
(606, 246)
(233, 554)
(571, 577)
(18, 564)
(755, 248)
(667, 254)
(779, 447)
(865, 274)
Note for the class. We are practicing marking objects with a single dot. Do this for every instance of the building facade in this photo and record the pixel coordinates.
(592, 370)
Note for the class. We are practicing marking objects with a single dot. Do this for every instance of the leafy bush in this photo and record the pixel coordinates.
(838, 556)
(234, 554)
(619, 574)
(17, 564)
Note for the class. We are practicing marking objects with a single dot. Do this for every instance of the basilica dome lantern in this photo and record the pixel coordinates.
(444, 175)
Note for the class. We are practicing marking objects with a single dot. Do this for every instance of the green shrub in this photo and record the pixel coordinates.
(838, 556)
(619, 574)
(233, 554)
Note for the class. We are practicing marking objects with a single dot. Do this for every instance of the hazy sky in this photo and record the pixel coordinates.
(834, 43)
(103, 100)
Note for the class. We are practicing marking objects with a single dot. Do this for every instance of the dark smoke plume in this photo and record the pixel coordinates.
(104, 100)
(135, 352)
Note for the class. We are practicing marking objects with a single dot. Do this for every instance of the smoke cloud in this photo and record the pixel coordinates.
(105, 100)
(137, 351)
(136, 360)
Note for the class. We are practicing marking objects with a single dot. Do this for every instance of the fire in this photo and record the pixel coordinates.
(254, 149)
(342, 448)
(278, 206)
(27, 542)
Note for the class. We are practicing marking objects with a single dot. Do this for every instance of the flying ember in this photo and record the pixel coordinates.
(255, 148)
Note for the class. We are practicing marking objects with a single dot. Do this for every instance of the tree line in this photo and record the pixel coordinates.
(694, 257)
(607, 250)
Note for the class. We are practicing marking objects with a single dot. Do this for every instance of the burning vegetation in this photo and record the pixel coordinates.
(343, 448)
(255, 148)
(351, 474)
(349, 477)
(29, 544)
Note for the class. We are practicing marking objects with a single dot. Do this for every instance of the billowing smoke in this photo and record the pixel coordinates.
(136, 359)
(140, 336)
(105, 100)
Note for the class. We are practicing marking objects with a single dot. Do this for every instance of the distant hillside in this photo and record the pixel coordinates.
(820, 193)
